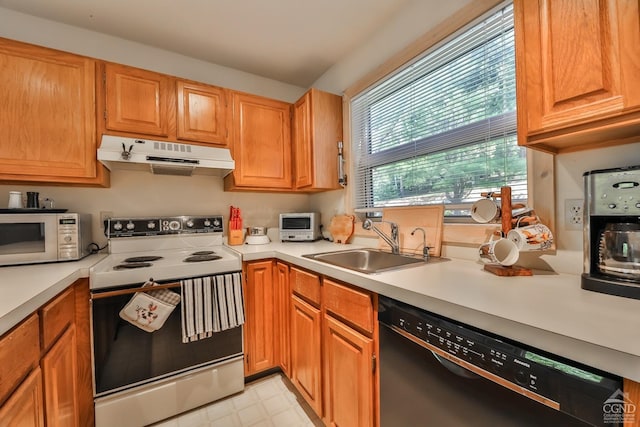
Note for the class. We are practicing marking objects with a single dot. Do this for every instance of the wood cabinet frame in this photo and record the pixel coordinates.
(48, 125)
(576, 69)
(52, 381)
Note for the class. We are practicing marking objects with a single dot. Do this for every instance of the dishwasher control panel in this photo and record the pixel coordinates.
(487, 353)
(523, 368)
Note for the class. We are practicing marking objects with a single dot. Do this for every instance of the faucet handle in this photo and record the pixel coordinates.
(425, 251)
(425, 248)
(394, 230)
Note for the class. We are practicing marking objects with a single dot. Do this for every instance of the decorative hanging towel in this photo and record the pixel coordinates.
(149, 310)
(211, 304)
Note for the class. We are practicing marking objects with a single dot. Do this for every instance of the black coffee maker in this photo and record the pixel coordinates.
(612, 231)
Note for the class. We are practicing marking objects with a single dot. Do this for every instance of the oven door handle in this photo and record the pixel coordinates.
(134, 290)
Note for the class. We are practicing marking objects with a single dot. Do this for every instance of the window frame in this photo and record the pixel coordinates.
(540, 165)
(371, 158)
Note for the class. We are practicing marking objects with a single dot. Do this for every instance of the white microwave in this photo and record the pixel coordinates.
(299, 227)
(29, 238)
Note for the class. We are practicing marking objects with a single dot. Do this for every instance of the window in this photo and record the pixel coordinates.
(443, 128)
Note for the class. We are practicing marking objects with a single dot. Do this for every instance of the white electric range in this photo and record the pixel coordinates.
(143, 377)
(163, 249)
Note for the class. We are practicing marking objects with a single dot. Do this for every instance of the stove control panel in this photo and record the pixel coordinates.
(130, 227)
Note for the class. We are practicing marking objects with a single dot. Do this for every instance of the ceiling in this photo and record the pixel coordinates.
(292, 41)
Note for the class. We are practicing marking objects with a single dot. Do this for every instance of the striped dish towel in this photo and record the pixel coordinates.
(211, 304)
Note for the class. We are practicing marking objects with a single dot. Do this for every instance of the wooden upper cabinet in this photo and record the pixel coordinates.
(47, 116)
(577, 65)
(144, 103)
(261, 144)
(137, 101)
(202, 113)
(317, 128)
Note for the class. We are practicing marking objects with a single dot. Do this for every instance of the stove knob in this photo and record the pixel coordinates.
(190, 224)
(638, 205)
(117, 226)
(207, 223)
(174, 225)
(216, 223)
(130, 225)
(151, 225)
(612, 205)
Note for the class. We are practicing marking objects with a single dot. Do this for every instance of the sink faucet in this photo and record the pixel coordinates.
(389, 240)
(425, 248)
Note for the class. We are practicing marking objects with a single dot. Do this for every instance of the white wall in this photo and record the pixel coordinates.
(138, 193)
(411, 22)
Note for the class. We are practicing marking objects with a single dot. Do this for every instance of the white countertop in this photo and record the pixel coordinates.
(24, 289)
(547, 310)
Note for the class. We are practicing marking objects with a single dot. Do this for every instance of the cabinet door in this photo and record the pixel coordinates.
(317, 128)
(137, 101)
(281, 279)
(577, 64)
(47, 115)
(201, 113)
(59, 367)
(83, 339)
(24, 407)
(348, 376)
(259, 327)
(302, 142)
(305, 352)
(19, 354)
(261, 143)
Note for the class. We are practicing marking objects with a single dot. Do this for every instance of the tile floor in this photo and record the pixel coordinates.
(267, 402)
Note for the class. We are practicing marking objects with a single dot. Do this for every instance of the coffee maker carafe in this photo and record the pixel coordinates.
(612, 231)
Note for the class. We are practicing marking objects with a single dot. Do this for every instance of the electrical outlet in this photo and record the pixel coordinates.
(105, 215)
(573, 211)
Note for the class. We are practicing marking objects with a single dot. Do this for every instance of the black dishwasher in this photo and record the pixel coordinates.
(488, 380)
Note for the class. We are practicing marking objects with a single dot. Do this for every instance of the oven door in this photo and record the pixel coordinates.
(28, 238)
(126, 356)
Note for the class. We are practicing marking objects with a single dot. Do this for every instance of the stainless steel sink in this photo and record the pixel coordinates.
(370, 260)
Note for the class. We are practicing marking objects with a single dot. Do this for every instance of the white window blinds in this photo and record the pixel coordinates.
(443, 128)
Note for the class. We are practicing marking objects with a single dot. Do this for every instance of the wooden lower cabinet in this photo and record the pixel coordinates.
(259, 327)
(632, 390)
(282, 333)
(24, 407)
(50, 382)
(84, 371)
(349, 380)
(59, 367)
(260, 144)
(306, 363)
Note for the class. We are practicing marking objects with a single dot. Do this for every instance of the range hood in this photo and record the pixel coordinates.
(164, 157)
